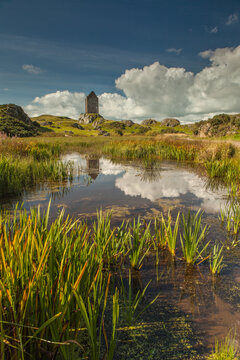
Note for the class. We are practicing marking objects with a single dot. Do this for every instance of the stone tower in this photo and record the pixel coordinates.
(91, 104)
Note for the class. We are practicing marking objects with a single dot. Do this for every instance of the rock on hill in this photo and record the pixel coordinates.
(149, 122)
(171, 122)
(15, 122)
(219, 125)
(89, 118)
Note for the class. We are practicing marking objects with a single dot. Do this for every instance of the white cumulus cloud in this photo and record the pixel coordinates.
(172, 183)
(32, 69)
(232, 19)
(60, 103)
(158, 91)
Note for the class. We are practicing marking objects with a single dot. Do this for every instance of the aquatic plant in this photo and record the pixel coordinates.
(17, 175)
(138, 246)
(93, 314)
(55, 281)
(111, 244)
(230, 215)
(159, 239)
(192, 237)
(40, 271)
(171, 233)
(225, 350)
(131, 303)
(215, 260)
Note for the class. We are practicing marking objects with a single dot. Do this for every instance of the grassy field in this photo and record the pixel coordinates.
(65, 126)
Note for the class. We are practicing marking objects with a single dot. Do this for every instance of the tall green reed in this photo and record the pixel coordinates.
(226, 349)
(131, 303)
(17, 175)
(216, 259)
(40, 270)
(171, 233)
(138, 246)
(192, 237)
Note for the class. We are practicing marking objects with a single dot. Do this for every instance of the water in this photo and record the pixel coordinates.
(192, 309)
(126, 189)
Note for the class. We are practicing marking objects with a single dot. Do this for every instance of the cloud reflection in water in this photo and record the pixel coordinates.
(172, 183)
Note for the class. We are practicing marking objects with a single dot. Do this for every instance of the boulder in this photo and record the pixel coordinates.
(104, 133)
(149, 122)
(77, 126)
(127, 122)
(88, 118)
(116, 125)
(170, 122)
(47, 123)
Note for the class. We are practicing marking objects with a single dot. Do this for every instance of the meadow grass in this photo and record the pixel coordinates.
(217, 160)
(17, 174)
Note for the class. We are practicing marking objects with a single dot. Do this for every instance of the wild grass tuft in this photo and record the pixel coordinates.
(225, 350)
(192, 237)
(171, 233)
(216, 259)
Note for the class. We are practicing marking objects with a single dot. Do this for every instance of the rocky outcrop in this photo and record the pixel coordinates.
(89, 118)
(170, 122)
(127, 122)
(149, 122)
(219, 125)
(15, 122)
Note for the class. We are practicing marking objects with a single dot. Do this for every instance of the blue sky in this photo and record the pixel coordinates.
(79, 46)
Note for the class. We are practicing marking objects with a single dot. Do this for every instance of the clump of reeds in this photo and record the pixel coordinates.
(17, 175)
(225, 350)
(55, 281)
(171, 232)
(192, 237)
(138, 243)
(216, 260)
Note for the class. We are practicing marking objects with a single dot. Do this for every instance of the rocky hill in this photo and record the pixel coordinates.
(219, 125)
(15, 122)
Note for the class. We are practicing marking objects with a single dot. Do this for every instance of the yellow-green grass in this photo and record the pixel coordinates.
(217, 160)
(63, 124)
(56, 292)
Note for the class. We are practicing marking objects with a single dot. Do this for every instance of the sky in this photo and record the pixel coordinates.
(143, 58)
